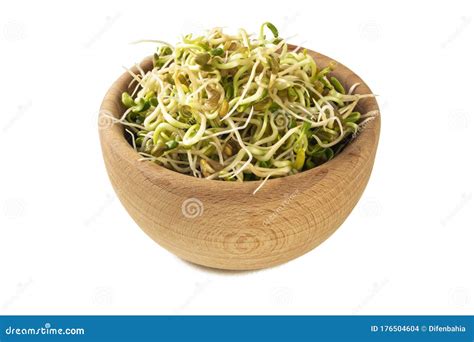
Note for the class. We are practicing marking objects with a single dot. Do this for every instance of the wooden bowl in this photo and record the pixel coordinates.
(222, 224)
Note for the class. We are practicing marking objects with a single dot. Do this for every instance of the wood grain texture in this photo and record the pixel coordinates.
(221, 224)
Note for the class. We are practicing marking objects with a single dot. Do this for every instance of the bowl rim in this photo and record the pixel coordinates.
(114, 135)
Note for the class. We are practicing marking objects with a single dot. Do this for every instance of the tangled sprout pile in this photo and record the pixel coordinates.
(237, 107)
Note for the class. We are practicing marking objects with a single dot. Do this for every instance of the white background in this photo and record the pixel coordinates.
(68, 247)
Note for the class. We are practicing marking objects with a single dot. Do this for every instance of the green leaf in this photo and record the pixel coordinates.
(272, 28)
(127, 100)
(171, 144)
(202, 58)
(141, 105)
(217, 52)
(337, 85)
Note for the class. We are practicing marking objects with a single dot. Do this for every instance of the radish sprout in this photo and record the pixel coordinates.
(239, 108)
